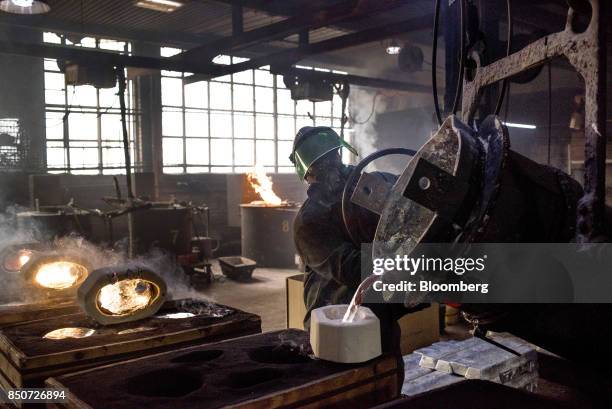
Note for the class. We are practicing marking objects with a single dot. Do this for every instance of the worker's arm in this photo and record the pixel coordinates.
(326, 251)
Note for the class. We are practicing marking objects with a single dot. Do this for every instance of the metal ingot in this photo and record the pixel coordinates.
(121, 294)
(333, 340)
(55, 272)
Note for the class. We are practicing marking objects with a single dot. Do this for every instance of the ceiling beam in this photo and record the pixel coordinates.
(92, 56)
(352, 79)
(284, 7)
(46, 23)
(292, 56)
(308, 20)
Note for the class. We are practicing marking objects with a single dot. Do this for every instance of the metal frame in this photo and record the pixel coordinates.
(586, 52)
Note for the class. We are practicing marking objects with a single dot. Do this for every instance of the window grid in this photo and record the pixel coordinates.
(229, 156)
(73, 152)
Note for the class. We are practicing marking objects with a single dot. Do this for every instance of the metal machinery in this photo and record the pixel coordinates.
(438, 183)
(460, 187)
(267, 234)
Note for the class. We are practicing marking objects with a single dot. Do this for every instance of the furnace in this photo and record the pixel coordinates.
(267, 234)
(267, 224)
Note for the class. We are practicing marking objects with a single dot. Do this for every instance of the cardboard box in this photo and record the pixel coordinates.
(419, 329)
(296, 308)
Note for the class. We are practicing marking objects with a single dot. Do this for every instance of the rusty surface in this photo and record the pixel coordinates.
(371, 192)
(404, 222)
(586, 52)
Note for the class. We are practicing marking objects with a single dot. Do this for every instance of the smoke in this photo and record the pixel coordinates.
(389, 119)
(15, 289)
(365, 105)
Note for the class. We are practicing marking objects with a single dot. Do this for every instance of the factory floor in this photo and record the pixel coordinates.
(264, 295)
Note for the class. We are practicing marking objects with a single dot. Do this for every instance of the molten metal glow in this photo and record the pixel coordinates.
(177, 315)
(126, 296)
(71, 332)
(263, 186)
(15, 261)
(135, 330)
(59, 275)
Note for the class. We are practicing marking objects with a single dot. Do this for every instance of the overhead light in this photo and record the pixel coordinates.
(165, 6)
(524, 126)
(394, 48)
(24, 6)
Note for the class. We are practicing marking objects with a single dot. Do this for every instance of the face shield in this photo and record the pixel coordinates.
(315, 146)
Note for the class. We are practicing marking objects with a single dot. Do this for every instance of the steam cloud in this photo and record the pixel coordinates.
(14, 290)
(389, 119)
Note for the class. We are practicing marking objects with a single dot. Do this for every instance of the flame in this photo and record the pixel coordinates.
(262, 184)
(59, 275)
(126, 296)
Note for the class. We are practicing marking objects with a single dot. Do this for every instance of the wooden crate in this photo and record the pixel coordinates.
(296, 308)
(270, 370)
(419, 328)
(26, 359)
(18, 313)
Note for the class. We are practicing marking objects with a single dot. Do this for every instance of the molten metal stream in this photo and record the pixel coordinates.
(59, 275)
(126, 296)
(351, 311)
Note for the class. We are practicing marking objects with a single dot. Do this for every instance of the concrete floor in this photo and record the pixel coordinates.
(264, 295)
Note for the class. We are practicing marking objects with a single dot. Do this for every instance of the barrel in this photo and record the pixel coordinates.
(267, 234)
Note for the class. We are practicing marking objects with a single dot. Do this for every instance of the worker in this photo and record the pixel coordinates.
(332, 259)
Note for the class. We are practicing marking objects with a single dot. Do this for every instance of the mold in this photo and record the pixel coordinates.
(279, 354)
(167, 382)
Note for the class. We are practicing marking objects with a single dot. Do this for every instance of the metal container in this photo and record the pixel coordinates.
(267, 234)
(168, 228)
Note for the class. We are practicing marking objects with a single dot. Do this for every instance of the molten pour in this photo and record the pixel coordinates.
(71, 332)
(59, 275)
(353, 308)
(125, 296)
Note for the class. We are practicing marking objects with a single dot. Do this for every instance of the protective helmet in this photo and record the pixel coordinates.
(312, 143)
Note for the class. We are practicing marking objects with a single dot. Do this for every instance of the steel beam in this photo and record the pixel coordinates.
(284, 7)
(314, 17)
(292, 56)
(46, 23)
(351, 79)
(97, 57)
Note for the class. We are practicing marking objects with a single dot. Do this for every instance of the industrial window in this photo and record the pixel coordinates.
(231, 123)
(83, 124)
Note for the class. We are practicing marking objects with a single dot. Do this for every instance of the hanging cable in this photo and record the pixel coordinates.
(502, 92)
(365, 121)
(507, 108)
(459, 86)
(434, 52)
(549, 110)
